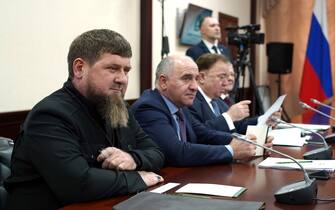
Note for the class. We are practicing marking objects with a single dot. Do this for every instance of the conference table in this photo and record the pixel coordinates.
(261, 183)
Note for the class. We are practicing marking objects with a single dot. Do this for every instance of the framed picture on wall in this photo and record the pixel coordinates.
(190, 30)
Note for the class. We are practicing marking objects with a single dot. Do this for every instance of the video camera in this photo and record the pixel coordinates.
(249, 37)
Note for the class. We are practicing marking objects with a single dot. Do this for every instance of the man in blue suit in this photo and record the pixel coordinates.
(210, 34)
(215, 75)
(208, 108)
(163, 115)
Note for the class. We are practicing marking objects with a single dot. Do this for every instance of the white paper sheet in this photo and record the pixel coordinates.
(165, 187)
(212, 189)
(309, 165)
(314, 127)
(288, 137)
(275, 107)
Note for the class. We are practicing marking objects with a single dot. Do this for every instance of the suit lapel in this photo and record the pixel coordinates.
(204, 47)
(222, 105)
(165, 108)
(206, 110)
(191, 137)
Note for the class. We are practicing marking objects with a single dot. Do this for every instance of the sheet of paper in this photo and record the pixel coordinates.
(309, 165)
(165, 187)
(275, 107)
(260, 131)
(212, 189)
(288, 137)
(314, 127)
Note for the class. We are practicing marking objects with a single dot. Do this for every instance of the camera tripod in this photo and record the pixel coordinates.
(240, 65)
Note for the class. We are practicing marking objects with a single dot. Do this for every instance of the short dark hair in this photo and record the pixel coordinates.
(92, 44)
(202, 20)
(206, 61)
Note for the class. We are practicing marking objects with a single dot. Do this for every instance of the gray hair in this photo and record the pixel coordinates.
(164, 67)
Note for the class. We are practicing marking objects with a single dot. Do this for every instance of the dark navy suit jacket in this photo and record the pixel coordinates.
(201, 112)
(197, 50)
(203, 146)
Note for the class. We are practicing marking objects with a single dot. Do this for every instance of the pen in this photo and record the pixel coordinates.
(303, 161)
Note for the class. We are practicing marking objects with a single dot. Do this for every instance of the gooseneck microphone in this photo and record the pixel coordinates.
(321, 104)
(323, 153)
(306, 106)
(302, 192)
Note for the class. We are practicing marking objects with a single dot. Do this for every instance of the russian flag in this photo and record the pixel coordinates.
(317, 78)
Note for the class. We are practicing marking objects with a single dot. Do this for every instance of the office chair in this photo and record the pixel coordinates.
(6, 148)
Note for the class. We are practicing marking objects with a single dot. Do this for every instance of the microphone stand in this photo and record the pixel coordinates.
(331, 137)
(303, 192)
(306, 106)
(321, 104)
(323, 153)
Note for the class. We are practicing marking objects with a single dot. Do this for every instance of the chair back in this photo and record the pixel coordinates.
(6, 148)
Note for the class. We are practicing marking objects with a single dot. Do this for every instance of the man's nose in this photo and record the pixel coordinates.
(194, 85)
(121, 77)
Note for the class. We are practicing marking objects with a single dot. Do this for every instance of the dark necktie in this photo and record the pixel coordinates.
(215, 49)
(182, 124)
(227, 101)
(215, 108)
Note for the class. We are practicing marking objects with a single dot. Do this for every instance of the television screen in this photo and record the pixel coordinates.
(190, 31)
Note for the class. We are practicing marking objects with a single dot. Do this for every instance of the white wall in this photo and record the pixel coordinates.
(34, 40)
(237, 8)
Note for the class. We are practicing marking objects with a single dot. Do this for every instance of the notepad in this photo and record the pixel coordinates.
(155, 201)
(309, 165)
(212, 189)
(261, 132)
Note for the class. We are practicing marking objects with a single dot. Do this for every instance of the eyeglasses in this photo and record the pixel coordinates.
(226, 76)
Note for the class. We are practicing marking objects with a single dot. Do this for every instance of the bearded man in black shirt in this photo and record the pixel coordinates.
(80, 143)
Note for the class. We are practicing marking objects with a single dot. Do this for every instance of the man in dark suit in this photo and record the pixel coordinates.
(210, 34)
(163, 115)
(80, 143)
(208, 108)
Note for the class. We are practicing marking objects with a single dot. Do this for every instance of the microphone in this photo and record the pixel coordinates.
(323, 153)
(306, 106)
(331, 137)
(321, 104)
(302, 192)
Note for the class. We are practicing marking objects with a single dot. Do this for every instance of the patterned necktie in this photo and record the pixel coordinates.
(215, 49)
(215, 108)
(182, 124)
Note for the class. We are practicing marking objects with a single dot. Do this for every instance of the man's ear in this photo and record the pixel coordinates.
(201, 78)
(78, 68)
(162, 81)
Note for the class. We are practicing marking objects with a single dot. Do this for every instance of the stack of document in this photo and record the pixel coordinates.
(309, 165)
(288, 137)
